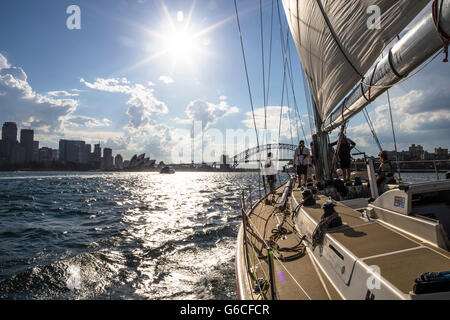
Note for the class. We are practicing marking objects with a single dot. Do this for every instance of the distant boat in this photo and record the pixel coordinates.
(167, 170)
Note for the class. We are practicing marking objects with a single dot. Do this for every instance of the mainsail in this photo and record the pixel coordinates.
(338, 41)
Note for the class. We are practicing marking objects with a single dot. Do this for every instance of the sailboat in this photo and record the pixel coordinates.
(315, 242)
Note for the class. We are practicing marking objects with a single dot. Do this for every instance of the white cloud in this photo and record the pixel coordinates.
(84, 121)
(62, 94)
(3, 62)
(142, 102)
(166, 79)
(270, 118)
(19, 103)
(209, 113)
(419, 117)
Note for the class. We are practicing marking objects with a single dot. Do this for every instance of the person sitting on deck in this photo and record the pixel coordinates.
(301, 161)
(344, 156)
(385, 172)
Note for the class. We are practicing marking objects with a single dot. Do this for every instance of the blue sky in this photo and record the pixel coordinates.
(128, 80)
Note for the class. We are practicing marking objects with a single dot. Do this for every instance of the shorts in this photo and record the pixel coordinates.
(301, 169)
(345, 163)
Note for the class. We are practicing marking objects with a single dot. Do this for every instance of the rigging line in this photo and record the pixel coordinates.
(263, 82)
(392, 125)
(308, 103)
(374, 134)
(336, 39)
(270, 55)
(305, 87)
(393, 134)
(262, 62)
(287, 87)
(249, 87)
(246, 72)
(286, 54)
(291, 77)
(297, 118)
(281, 263)
(296, 121)
(289, 113)
(284, 72)
(293, 93)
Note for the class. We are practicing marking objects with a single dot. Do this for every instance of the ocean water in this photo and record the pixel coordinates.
(121, 235)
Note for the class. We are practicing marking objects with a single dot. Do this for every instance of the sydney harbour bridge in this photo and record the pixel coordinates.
(281, 151)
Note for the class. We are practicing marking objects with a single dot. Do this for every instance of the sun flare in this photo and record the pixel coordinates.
(179, 44)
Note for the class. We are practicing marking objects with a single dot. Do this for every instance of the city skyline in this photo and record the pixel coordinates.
(135, 82)
(27, 151)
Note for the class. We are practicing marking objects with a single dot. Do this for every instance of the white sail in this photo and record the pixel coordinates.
(339, 40)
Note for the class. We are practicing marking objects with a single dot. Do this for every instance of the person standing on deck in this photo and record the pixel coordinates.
(345, 157)
(270, 171)
(301, 161)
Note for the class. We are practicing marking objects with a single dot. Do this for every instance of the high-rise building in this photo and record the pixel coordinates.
(97, 153)
(87, 153)
(9, 138)
(107, 159)
(17, 154)
(118, 162)
(9, 131)
(441, 154)
(416, 152)
(47, 155)
(71, 151)
(95, 158)
(26, 141)
(35, 156)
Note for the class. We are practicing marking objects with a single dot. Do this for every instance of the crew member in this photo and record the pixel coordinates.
(345, 157)
(302, 161)
(385, 172)
(270, 171)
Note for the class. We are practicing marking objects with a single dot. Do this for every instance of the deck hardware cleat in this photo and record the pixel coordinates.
(308, 198)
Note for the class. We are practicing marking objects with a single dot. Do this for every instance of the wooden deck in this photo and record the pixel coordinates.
(300, 279)
(400, 257)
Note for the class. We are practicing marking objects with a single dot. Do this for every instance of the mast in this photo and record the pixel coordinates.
(321, 141)
(424, 40)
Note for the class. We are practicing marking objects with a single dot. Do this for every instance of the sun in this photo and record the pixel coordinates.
(179, 41)
(181, 45)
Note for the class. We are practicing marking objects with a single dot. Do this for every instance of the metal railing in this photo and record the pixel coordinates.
(397, 165)
(247, 205)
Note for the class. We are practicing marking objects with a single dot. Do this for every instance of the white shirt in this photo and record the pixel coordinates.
(270, 167)
(302, 156)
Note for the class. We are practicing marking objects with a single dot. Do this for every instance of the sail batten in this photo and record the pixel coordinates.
(337, 45)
